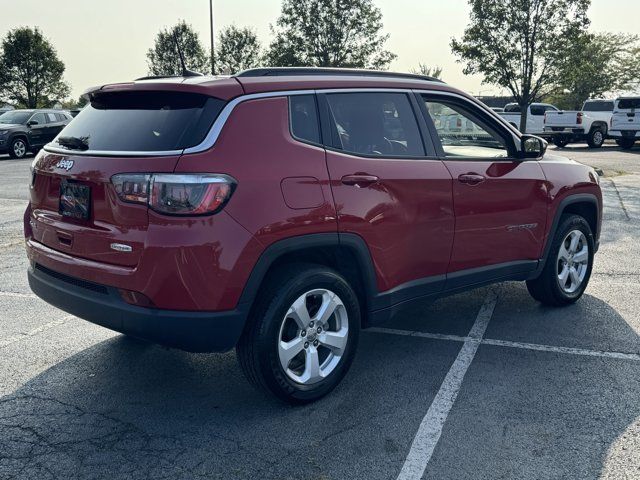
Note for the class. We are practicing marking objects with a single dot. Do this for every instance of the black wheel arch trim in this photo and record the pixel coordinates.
(564, 203)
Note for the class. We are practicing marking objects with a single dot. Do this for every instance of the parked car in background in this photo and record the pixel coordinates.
(625, 121)
(143, 214)
(5, 109)
(535, 116)
(22, 131)
(591, 124)
(498, 109)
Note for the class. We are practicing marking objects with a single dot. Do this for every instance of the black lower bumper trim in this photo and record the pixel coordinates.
(190, 331)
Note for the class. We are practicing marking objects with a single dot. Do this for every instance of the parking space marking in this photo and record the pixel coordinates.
(509, 344)
(17, 294)
(16, 338)
(431, 426)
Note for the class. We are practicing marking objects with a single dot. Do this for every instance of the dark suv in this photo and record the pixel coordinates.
(22, 131)
(282, 210)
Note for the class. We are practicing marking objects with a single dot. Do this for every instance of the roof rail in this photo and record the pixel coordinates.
(359, 72)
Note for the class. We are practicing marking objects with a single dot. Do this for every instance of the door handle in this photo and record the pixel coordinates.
(471, 178)
(359, 180)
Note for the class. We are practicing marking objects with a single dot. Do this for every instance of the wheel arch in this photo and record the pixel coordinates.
(600, 125)
(345, 253)
(584, 204)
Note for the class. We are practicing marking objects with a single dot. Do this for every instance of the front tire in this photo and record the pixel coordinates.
(568, 267)
(302, 334)
(18, 148)
(560, 142)
(596, 138)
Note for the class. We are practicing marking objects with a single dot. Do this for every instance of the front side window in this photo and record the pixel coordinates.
(463, 134)
(375, 124)
(304, 118)
(40, 118)
(141, 122)
(52, 117)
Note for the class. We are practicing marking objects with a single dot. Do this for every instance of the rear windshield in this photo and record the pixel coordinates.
(141, 122)
(599, 106)
(512, 108)
(628, 103)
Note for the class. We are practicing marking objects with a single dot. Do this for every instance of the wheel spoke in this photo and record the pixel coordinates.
(311, 365)
(288, 350)
(563, 275)
(299, 313)
(575, 278)
(582, 256)
(329, 304)
(575, 238)
(563, 254)
(336, 341)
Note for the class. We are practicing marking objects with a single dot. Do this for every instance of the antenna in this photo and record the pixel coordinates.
(185, 71)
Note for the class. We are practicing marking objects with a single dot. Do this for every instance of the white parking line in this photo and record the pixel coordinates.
(509, 344)
(431, 426)
(16, 338)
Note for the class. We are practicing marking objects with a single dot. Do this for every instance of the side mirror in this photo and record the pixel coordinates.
(532, 147)
(31, 123)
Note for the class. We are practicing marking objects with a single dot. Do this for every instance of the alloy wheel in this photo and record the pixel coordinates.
(313, 336)
(573, 261)
(19, 148)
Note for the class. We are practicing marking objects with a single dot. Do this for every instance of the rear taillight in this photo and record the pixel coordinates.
(459, 123)
(176, 194)
(579, 119)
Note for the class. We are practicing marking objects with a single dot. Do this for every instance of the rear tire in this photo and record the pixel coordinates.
(18, 148)
(596, 138)
(568, 266)
(289, 348)
(560, 142)
(626, 143)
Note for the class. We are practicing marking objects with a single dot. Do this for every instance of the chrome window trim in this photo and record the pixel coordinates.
(215, 130)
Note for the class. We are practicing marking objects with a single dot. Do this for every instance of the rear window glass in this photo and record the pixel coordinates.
(304, 118)
(598, 107)
(629, 103)
(141, 122)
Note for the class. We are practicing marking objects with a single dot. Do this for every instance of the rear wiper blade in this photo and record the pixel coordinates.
(74, 143)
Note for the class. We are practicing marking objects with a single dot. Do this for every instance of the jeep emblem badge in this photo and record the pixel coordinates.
(66, 164)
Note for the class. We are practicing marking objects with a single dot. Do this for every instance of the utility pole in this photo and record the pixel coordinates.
(213, 59)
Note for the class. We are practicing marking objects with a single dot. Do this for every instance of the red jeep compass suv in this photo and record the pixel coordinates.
(280, 211)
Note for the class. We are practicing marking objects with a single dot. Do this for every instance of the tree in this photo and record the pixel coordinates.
(423, 69)
(597, 64)
(519, 44)
(238, 49)
(329, 33)
(31, 75)
(163, 58)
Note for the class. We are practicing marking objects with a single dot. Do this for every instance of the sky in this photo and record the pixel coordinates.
(103, 41)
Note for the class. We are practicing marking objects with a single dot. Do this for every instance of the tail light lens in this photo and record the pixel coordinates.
(579, 118)
(459, 123)
(176, 194)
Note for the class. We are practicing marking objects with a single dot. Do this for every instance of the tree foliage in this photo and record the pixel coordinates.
(237, 49)
(520, 44)
(598, 63)
(329, 33)
(31, 75)
(163, 58)
(424, 69)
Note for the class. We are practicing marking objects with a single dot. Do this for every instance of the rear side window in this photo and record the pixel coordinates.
(629, 103)
(512, 108)
(141, 122)
(376, 124)
(303, 113)
(599, 106)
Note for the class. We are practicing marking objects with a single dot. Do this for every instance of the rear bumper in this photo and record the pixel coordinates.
(624, 134)
(102, 305)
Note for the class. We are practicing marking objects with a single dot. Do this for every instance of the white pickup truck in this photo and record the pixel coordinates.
(625, 122)
(591, 124)
(535, 116)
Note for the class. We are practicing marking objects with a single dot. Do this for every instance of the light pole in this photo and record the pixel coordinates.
(213, 59)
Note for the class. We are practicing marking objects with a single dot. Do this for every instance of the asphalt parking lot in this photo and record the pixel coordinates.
(483, 385)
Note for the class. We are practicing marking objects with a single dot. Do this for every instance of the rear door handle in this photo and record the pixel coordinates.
(471, 178)
(359, 180)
